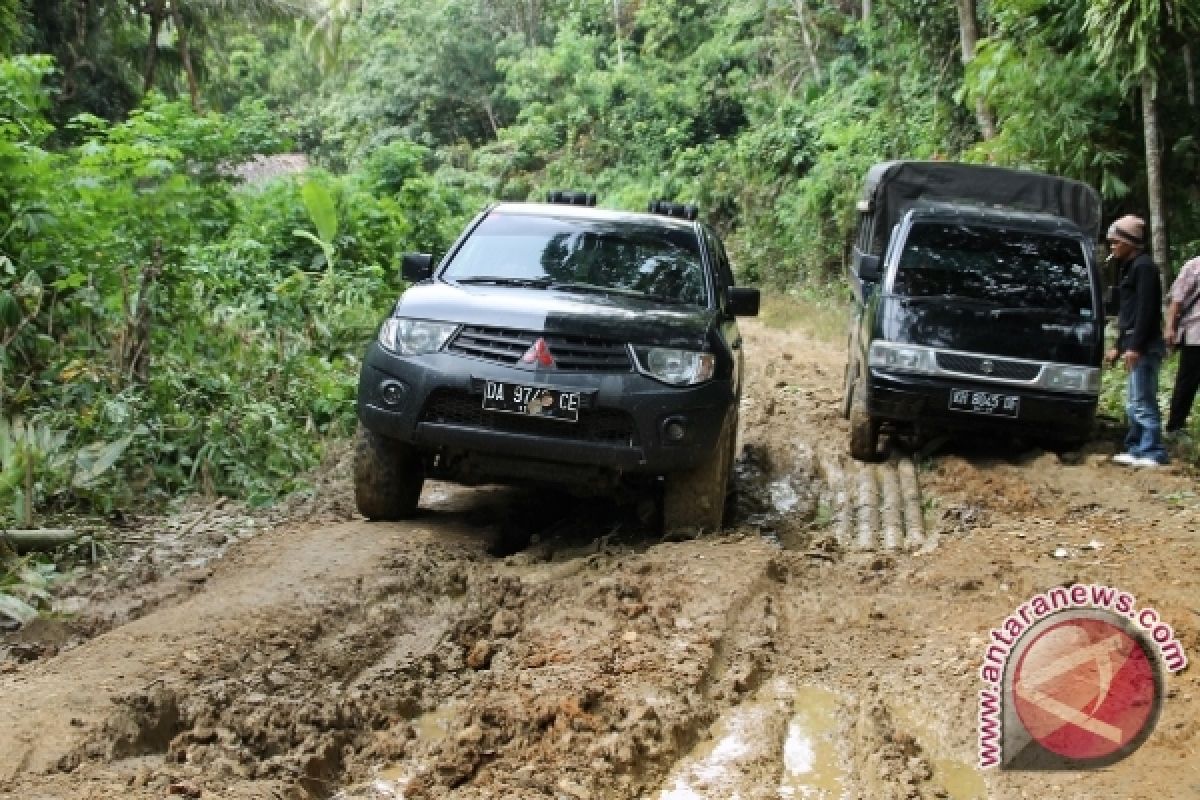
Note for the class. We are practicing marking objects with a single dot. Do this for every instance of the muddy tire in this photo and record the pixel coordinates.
(388, 476)
(694, 501)
(864, 429)
(848, 389)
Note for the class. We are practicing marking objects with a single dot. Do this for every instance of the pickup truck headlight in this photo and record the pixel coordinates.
(410, 337)
(901, 358)
(676, 367)
(1067, 378)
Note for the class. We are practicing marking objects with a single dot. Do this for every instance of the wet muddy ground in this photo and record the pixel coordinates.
(529, 645)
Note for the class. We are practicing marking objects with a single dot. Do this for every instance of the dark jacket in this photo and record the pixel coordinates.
(1139, 323)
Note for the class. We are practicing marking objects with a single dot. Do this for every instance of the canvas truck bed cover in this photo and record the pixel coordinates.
(893, 187)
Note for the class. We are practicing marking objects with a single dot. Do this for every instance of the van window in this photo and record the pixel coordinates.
(997, 265)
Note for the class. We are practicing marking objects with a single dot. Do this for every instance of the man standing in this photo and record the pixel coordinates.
(1183, 334)
(1140, 342)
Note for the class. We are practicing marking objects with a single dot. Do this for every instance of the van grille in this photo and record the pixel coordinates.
(596, 425)
(571, 353)
(1000, 368)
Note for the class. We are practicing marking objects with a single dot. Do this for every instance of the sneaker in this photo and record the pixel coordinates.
(1124, 458)
(1144, 462)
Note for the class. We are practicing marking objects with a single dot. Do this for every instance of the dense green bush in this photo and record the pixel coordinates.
(165, 328)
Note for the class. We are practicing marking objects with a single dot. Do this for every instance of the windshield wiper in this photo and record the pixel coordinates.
(1033, 311)
(502, 280)
(954, 298)
(592, 288)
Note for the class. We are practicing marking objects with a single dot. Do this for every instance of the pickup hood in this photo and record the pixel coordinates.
(1030, 334)
(614, 317)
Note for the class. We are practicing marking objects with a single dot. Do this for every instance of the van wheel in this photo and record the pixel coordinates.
(694, 500)
(864, 429)
(388, 476)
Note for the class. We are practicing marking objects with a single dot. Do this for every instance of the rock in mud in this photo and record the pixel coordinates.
(505, 623)
(481, 655)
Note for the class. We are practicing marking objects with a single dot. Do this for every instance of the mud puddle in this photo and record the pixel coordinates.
(813, 767)
(780, 743)
(958, 778)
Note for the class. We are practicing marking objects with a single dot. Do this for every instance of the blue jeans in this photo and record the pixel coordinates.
(1144, 439)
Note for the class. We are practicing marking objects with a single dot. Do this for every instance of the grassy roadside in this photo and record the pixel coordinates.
(822, 310)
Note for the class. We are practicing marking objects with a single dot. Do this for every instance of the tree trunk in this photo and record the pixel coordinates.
(1189, 74)
(866, 10)
(486, 102)
(25, 540)
(809, 45)
(135, 351)
(155, 10)
(185, 55)
(1158, 217)
(968, 29)
(617, 28)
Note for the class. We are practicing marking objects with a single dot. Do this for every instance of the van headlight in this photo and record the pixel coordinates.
(901, 358)
(410, 337)
(673, 366)
(1069, 378)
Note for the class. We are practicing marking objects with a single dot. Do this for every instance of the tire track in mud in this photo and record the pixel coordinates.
(812, 730)
(296, 707)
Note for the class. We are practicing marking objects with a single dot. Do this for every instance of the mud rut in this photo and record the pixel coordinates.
(782, 659)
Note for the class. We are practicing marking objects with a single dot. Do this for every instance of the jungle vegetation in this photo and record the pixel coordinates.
(168, 325)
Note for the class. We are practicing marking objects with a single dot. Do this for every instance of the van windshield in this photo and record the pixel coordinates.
(1004, 267)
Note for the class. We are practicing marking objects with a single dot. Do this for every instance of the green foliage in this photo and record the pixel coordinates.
(24, 587)
(186, 332)
(1048, 103)
(167, 328)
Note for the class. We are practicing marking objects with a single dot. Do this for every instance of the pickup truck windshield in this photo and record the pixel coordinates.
(658, 262)
(1003, 267)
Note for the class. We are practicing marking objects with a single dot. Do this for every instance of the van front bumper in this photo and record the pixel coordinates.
(913, 400)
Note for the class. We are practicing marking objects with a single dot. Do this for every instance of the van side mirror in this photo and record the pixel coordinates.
(1112, 301)
(743, 302)
(416, 266)
(868, 268)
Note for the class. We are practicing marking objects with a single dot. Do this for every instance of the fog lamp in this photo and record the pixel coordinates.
(392, 393)
(675, 430)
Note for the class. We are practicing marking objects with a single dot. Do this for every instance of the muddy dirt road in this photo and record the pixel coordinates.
(516, 645)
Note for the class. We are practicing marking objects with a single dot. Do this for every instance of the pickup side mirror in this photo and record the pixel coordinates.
(868, 268)
(416, 266)
(743, 302)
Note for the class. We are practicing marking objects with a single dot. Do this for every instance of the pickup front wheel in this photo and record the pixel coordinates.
(388, 476)
(694, 501)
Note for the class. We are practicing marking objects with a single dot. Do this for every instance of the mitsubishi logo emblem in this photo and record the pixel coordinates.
(988, 366)
(538, 354)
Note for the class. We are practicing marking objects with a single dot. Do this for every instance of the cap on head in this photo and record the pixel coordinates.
(1128, 229)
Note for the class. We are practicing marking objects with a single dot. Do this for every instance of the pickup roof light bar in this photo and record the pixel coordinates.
(667, 208)
(571, 198)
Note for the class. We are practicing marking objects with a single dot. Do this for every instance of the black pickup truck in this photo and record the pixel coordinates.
(558, 343)
(979, 305)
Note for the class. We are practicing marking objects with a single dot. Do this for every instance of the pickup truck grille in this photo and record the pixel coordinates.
(1000, 368)
(598, 425)
(571, 353)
